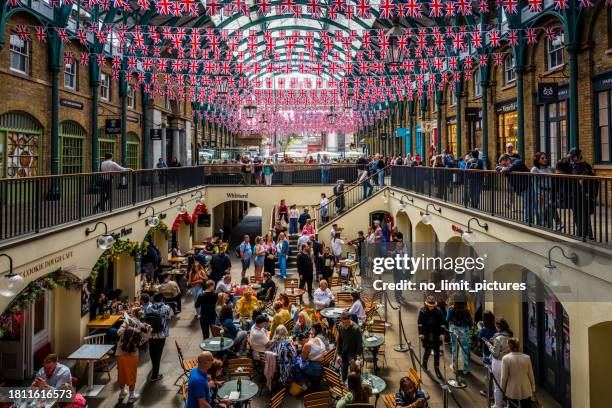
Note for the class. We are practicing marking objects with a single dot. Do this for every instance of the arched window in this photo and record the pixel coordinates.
(107, 144)
(133, 151)
(20, 137)
(72, 147)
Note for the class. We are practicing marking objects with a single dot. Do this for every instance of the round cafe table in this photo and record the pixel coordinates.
(248, 390)
(332, 312)
(213, 344)
(376, 383)
(373, 341)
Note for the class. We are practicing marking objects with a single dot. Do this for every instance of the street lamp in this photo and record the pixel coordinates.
(426, 219)
(153, 220)
(200, 199)
(12, 283)
(468, 236)
(550, 268)
(403, 204)
(396, 54)
(104, 241)
(181, 209)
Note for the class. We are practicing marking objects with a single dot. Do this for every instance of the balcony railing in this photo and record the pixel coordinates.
(34, 204)
(573, 206)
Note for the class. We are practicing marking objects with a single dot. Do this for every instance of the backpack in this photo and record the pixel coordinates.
(153, 318)
(132, 338)
(399, 161)
(473, 164)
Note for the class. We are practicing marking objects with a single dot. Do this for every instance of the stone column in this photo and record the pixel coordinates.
(176, 145)
(183, 239)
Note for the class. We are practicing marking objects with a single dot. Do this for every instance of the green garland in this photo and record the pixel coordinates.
(163, 228)
(119, 247)
(33, 292)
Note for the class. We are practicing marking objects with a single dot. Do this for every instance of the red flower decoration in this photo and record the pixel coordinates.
(183, 218)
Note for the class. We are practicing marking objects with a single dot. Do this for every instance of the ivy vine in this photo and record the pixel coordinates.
(119, 247)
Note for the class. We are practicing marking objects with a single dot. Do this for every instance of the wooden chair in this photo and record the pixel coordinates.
(378, 327)
(256, 279)
(389, 400)
(103, 362)
(328, 357)
(295, 300)
(317, 400)
(334, 382)
(344, 299)
(240, 367)
(374, 300)
(335, 281)
(278, 399)
(216, 330)
(184, 393)
(186, 365)
(292, 283)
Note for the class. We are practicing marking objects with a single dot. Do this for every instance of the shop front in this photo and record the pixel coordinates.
(602, 91)
(507, 126)
(546, 332)
(451, 135)
(552, 130)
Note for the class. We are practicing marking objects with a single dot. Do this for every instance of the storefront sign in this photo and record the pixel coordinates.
(122, 233)
(506, 107)
(473, 114)
(237, 195)
(133, 119)
(48, 264)
(71, 104)
(156, 134)
(602, 82)
(203, 220)
(548, 93)
(112, 126)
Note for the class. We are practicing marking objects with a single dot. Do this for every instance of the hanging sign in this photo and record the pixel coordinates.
(602, 82)
(473, 114)
(548, 92)
(506, 107)
(71, 104)
(156, 134)
(112, 126)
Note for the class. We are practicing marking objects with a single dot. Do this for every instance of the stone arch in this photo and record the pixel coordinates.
(73, 147)
(21, 134)
(544, 19)
(402, 220)
(220, 214)
(600, 361)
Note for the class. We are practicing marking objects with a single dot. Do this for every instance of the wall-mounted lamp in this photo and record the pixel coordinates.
(153, 220)
(468, 236)
(200, 199)
(105, 240)
(12, 283)
(426, 219)
(402, 204)
(182, 209)
(550, 268)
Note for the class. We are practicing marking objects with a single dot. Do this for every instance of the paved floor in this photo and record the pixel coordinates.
(185, 330)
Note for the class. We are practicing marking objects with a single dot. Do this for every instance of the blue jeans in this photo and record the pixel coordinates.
(293, 225)
(381, 179)
(463, 333)
(195, 292)
(312, 369)
(324, 176)
(282, 262)
(367, 189)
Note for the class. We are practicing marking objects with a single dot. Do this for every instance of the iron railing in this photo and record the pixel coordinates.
(574, 206)
(34, 204)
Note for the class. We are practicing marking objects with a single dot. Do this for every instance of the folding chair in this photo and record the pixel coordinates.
(344, 299)
(328, 358)
(278, 399)
(186, 365)
(255, 279)
(292, 283)
(334, 382)
(102, 362)
(216, 330)
(317, 400)
(240, 367)
(389, 400)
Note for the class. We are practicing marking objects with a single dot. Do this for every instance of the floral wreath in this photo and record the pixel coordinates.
(182, 218)
(200, 209)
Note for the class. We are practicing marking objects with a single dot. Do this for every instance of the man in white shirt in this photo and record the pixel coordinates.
(303, 239)
(323, 296)
(224, 285)
(106, 180)
(52, 374)
(258, 337)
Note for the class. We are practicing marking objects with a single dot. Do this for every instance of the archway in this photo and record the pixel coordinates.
(540, 321)
(425, 244)
(236, 218)
(404, 226)
(600, 361)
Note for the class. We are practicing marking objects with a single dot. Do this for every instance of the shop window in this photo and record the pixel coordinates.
(70, 75)
(20, 54)
(130, 97)
(507, 130)
(133, 151)
(554, 51)
(72, 137)
(604, 135)
(104, 87)
(509, 69)
(553, 130)
(107, 146)
(451, 137)
(477, 86)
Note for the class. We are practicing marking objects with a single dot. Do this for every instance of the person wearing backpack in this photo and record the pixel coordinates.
(157, 315)
(132, 334)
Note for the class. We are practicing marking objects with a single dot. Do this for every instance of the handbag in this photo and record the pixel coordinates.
(295, 389)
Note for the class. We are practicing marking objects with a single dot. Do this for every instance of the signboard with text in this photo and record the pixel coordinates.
(112, 126)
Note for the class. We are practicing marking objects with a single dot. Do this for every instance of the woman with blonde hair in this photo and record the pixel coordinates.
(303, 324)
(281, 345)
(260, 255)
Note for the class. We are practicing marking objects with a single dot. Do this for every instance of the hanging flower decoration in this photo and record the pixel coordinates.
(161, 227)
(111, 254)
(183, 218)
(200, 209)
(10, 320)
